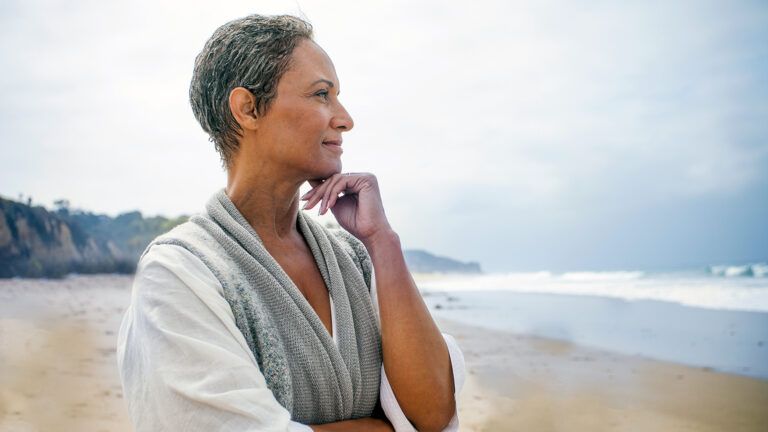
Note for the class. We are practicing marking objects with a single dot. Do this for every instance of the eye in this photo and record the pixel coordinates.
(323, 94)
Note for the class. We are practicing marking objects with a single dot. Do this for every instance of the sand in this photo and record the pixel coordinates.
(523, 383)
(58, 373)
(57, 354)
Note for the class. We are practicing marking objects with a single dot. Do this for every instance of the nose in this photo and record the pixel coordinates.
(341, 120)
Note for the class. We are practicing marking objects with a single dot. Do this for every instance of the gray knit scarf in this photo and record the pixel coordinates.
(313, 378)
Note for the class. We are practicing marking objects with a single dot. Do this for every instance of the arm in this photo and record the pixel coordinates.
(387, 397)
(415, 355)
(416, 358)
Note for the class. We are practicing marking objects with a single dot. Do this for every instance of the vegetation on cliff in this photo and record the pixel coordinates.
(36, 242)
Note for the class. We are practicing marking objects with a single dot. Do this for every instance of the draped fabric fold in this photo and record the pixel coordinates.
(316, 380)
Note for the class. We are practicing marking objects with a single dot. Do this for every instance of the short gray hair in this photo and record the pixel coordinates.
(252, 52)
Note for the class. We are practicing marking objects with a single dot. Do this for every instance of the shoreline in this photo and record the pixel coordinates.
(519, 382)
(725, 340)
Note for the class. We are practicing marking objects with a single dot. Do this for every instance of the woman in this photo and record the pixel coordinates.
(252, 316)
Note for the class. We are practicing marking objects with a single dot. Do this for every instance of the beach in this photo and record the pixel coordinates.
(58, 370)
(57, 354)
(524, 383)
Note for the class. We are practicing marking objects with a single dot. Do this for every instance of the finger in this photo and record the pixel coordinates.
(317, 194)
(334, 196)
(308, 194)
(332, 182)
(314, 186)
(340, 187)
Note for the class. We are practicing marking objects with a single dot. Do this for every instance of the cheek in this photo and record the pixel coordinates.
(300, 123)
(292, 128)
(300, 137)
(309, 123)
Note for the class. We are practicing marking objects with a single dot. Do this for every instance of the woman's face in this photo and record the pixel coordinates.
(301, 131)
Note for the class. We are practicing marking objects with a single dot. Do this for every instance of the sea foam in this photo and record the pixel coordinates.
(726, 289)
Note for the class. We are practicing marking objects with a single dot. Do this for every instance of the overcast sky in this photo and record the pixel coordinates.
(526, 135)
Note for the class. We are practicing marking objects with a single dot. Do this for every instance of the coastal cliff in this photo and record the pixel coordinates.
(37, 242)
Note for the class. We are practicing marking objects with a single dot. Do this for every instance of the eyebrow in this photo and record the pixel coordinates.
(323, 80)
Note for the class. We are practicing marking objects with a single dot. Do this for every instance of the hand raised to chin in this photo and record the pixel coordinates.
(359, 210)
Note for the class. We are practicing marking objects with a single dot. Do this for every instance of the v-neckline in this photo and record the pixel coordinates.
(319, 261)
(306, 232)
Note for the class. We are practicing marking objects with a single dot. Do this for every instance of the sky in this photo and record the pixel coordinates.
(524, 135)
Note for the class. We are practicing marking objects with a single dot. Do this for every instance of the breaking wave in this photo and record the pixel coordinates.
(759, 270)
(720, 287)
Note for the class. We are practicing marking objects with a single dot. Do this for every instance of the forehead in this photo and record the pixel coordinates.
(309, 63)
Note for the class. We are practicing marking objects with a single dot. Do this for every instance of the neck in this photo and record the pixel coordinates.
(267, 199)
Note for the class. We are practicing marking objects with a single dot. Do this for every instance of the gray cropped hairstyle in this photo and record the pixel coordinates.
(251, 52)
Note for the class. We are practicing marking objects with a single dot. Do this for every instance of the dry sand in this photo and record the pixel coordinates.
(58, 373)
(57, 354)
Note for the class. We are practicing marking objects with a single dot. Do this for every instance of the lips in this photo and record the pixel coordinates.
(333, 145)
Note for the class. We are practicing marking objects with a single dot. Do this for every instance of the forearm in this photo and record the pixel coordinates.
(415, 356)
(366, 424)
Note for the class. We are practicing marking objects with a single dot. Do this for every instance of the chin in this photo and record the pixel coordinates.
(329, 170)
(336, 167)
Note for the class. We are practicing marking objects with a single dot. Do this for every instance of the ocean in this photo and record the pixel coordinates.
(714, 317)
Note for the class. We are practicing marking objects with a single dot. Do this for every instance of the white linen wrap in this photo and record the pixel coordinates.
(315, 379)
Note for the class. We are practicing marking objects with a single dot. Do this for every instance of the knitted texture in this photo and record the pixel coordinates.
(313, 378)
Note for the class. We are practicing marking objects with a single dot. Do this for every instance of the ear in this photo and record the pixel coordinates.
(242, 104)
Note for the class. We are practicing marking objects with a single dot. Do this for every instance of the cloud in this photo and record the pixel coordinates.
(541, 115)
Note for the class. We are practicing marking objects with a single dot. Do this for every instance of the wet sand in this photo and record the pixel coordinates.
(732, 341)
(524, 383)
(58, 373)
